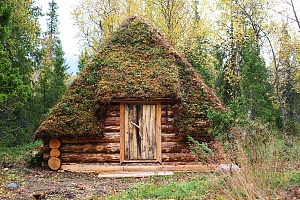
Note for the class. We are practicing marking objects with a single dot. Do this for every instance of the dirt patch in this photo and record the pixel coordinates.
(38, 183)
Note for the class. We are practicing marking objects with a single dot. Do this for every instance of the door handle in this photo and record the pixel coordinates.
(135, 124)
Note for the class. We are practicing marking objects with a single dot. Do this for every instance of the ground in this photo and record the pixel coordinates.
(45, 184)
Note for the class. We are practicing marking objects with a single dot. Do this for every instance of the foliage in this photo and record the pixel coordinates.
(83, 60)
(97, 20)
(19, 154)
(49, 85)
(19, 32)
(255, 87)
(201, 150)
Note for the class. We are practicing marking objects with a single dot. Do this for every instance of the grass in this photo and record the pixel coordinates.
(268, 165)
(197, 187)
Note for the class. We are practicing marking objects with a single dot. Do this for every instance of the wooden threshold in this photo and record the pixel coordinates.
(107, 168)
(134, 174)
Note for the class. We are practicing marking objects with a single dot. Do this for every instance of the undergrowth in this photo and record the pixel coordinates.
(268, 166)
(25, 154)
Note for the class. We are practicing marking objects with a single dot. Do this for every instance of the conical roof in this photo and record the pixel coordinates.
(137, 62)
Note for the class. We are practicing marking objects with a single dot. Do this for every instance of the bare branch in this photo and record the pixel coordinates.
(295, 13)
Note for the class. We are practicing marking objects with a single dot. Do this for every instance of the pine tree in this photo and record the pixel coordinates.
(14, 85)
(255, 89)
(52, 72)
(83, 60)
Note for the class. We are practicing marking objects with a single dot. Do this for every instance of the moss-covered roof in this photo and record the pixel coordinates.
(137, 62)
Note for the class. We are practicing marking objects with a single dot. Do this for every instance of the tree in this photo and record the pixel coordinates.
(244, 74)
(171, 17)
(287, 76)
(197, 44)
(96, 20)
(19, 33)
(52, 71)
(83, 60)
(255, 88)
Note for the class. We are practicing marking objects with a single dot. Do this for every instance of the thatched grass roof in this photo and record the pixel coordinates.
(137, 62)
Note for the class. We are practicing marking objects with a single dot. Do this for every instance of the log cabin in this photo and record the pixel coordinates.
(131, 108)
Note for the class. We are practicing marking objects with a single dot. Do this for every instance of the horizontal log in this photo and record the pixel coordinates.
(102, 157)
(112, 128)
(168, 128)
(170, 120)
(112, 121)
(172, 137)
(86, 157)
(204, 138)
(175, 147)
(91, 148)
(114, 113)
(167, 147)
(178, 157)
(170, 113)
(108, 137)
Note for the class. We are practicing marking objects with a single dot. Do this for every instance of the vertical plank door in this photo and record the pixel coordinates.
(140, 132)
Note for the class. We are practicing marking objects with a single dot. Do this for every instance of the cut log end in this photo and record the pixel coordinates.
(54, 143)
(54, 153)
(54, 163)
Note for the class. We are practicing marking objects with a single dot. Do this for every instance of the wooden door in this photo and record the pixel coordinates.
(141, 132)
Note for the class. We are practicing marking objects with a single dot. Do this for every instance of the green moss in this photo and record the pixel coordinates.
(137, 62)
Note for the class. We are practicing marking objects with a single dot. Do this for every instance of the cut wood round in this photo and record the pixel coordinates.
(54, 143)
(54, 153)
(54, 163)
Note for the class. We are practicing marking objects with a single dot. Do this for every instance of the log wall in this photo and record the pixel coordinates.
(106, 149)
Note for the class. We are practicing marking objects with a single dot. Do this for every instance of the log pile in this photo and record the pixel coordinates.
(54, 162)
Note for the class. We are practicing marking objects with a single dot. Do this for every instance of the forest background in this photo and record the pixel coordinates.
(247, 50)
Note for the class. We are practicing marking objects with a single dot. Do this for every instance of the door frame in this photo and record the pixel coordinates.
(157, 136)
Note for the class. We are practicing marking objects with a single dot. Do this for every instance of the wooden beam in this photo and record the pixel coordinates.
(122, 132)
(158, 132)
(134, 174)
(144, 101)
(112, 128)
(86, 157)
(178, 157)
(108, 137)
(90, 148)
(108, 168)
